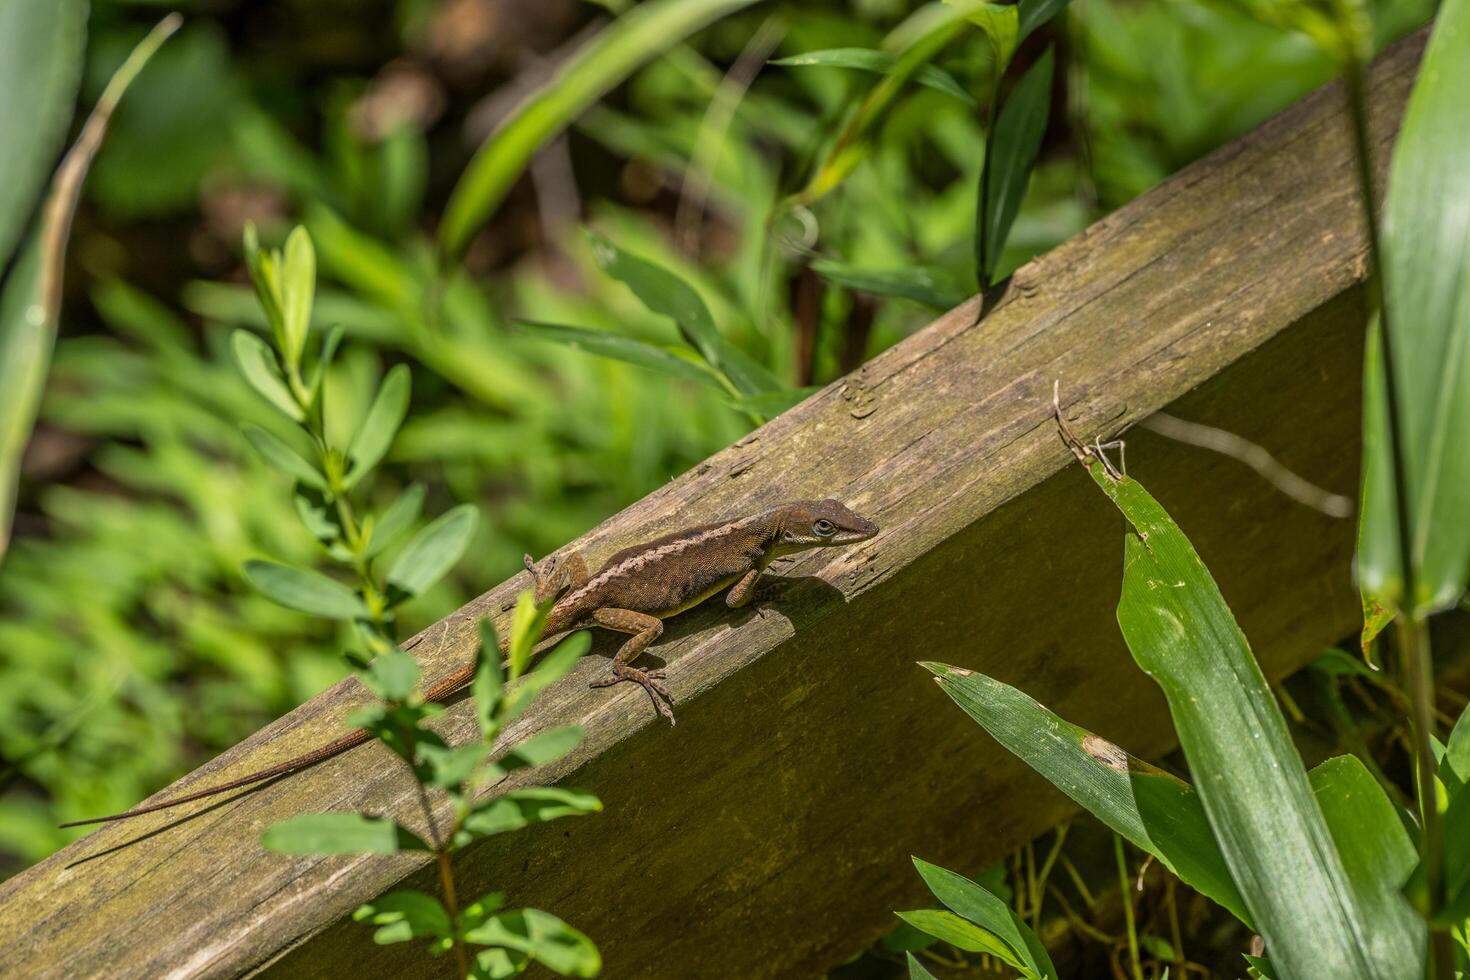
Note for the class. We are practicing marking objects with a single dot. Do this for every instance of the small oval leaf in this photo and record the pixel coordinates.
(304, 590)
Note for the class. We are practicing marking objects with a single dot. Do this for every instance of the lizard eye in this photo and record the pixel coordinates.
(824, 528)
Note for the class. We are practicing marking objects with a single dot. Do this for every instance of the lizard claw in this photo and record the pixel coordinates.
(657, 693)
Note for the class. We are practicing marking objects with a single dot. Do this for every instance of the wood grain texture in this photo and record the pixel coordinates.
(768, 834)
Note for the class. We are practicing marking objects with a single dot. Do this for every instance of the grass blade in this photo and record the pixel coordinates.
(1009, 156)
(629, 350)
(880, 63)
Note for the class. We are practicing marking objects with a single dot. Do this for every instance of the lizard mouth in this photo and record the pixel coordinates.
(861, 530)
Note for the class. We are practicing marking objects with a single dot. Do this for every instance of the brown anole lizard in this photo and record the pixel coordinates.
(633, 593)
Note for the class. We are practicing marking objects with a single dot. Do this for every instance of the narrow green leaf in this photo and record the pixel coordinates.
(1376, 852)
(620, 348)
(520, 808)
(916, 969)
(950, 928)
(1457, 751)
(298, 285)
(489, 684)
(543, 747)
(1426, 241)
(1248, 774)
(434, 550)
(398, 518)
(404, 915)
(606, 61)
(257, 362)
(525, 631)
(1034, 13)
(283, 457)
(1153, 810)
(922, 285)
(547, 939)
(966, 898)
(1010, 154)
(878, 62)
(381, 424)
(304, 590)
(553, 667)
(41, 50)
(772, 403)
(340, 833)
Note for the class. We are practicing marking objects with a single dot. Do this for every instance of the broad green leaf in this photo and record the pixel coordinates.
(393, 676)
(304, 590)
(258, 363)
(1153, 810)
(553, 667)
(547, 939)
(917, 283)
(520, 808)
(381, 424)
(1426, 243)
(606, 61)
(340, 833)
(878, 62)
(950, 928)
(489, 684)
(917, 971)
(665, 293)
(283, 457)
(1010, 154)
(30, 293)
(41, 48)
(964, 897)
(431, 553)
(1247, 772)
(620, 348)
(298, 284)
(543, 747)
(398, 518)
(404, 915)
(1376, 852)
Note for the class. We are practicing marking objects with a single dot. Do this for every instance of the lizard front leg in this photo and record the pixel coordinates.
(745, 590)
(644, 629)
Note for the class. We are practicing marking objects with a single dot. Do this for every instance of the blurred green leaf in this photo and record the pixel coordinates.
(283, 457)
(964, 897)
(553, 667)
(298, 284)
(450, 766)
(404, 915)
(318, 373)
(543, 747)
(393, 676)
(1010, 153)
(1457, 750)
(525, 631)
(604, 62)
(1148, 807)
(340, 833)
(1248, 774)
(772, 403)
(878, 62)
(489, 684)
(397, 519)
(1000, 23)
(920, 284)
(431, 553)
(1426, 244)
(663, 292)
(304, 590)
(381, 425)
(1034, 13)
(520, 808)
(620, 348)
(30, 294)
(41, 46)
(950, 928)
(258, 363)
(1376, 852)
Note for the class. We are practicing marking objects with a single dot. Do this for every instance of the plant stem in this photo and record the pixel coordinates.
(451, 905)
(1124, 886)
(1413, 635)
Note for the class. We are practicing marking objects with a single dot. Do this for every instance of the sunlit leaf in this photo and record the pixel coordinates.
(964, 897)
(298, 284)
(520, 808)
(431, 553)
(381, 424)
(404, 915)
(488, 685)
(340, 833)
(258, 363)
(543, 747)
(961, 934)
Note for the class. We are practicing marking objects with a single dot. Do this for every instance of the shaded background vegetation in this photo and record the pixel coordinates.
(131, 649)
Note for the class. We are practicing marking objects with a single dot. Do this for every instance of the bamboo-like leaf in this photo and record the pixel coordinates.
(1150, 808)
(962, 934)
(1010, 154)
(381, 424)
(772, 403)
(340, 833)
(283, 457)
(609, 58)
(30, 293)
(1426, 241)
(304, 590)
(879, 63)
(976, 903)
(916, 283)
(1247, 772)
(630, 350)
(434, 550)
(917, 970)
(258, 363)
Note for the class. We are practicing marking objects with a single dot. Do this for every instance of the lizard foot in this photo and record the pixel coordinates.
(649, 681)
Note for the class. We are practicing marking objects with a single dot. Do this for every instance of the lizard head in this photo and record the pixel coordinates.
(821, 524)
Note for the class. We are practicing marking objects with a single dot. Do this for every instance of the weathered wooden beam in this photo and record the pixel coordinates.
(768, 834)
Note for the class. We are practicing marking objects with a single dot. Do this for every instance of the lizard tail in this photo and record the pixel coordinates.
(352, 739)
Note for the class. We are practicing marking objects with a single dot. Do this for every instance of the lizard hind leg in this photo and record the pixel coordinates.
(644, 629)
